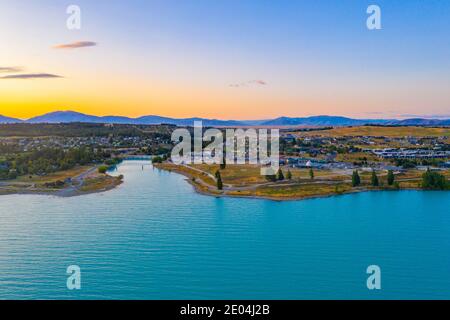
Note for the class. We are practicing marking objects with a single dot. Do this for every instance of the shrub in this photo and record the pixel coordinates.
(102, 169)
(434, 181)
(157, 159)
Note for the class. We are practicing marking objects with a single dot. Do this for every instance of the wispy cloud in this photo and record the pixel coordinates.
(31, 76)
(396, 115)
(10, 69)
(374, 112)
(249, 83)
(426, 116)
(75, 45)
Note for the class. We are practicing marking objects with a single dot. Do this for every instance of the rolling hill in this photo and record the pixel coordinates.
(71, 116)
(4, 119)
(324, 120)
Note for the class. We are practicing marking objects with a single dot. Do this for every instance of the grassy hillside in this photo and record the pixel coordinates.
(381, 131)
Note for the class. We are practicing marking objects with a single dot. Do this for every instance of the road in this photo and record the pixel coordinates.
(77, 183)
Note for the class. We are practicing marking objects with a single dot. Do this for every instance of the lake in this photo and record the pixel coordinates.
(153, 237)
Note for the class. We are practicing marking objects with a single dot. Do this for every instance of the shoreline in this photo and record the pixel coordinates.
(106, 182)
(222, 194)
(89, 182)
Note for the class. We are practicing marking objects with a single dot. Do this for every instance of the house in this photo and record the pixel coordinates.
(446, 164)
(290, 138)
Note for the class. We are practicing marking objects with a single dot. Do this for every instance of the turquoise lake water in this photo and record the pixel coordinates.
(155, 238)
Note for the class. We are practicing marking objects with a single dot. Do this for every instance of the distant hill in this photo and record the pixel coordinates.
(420, 122)
(8, 120)
(71, 116)
(343, 121)
(321, 121)
(63, 117)
(186, 121)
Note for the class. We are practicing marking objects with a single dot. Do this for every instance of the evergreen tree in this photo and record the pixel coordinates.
(374, 179)
(280, 175)
(219, 180)
(223, 165)
(356, 180)
(434, 181)
(390, 178)
(289, 175)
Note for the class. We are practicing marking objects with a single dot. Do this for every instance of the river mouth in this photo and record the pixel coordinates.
(154, 237)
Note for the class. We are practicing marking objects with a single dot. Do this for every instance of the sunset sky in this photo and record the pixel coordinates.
(228, 59)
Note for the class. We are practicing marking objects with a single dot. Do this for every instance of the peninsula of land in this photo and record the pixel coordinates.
(295, 184)
(77, 181)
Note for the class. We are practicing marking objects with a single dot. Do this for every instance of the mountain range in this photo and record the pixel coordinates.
(8, 120)
(71, 116)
